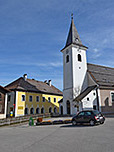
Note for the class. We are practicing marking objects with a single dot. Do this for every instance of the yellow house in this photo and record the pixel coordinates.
(29, 96)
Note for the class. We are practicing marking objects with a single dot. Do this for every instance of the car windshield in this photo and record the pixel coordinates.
(96, 112)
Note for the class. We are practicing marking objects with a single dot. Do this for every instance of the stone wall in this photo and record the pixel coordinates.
(14, 120)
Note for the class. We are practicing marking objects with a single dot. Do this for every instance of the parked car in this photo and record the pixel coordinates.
(88, 116)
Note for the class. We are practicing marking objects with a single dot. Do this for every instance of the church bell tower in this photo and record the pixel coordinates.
(74, 69)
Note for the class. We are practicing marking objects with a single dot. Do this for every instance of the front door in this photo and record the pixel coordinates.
(68, 107)
(61, 108)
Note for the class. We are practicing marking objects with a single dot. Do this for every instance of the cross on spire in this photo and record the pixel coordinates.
(72, 16)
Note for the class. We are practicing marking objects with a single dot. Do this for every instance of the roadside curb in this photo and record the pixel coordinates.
(55, 122)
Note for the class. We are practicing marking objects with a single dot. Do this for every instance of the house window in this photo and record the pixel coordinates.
(112, 95)
(55, 110)
(54, 99)
(30, 98)
(79, 58)
(67, 58)
(50, 110)
(0, 108)
(37, 99)
(42, 110)
(32, 111)
(49, 99)
(23, 97)
(9, 97)
(26, 111)
(37, 110)
(43, 99)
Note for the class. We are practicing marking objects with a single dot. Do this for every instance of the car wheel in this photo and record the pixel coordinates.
(92, 123)
(102, 122)
(74, 123)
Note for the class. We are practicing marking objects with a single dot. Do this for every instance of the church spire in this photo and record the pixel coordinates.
(73, 37)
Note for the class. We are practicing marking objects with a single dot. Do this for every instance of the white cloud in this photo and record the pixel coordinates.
(55, 64)
(30, 63)
(95, 50)
(95, 53)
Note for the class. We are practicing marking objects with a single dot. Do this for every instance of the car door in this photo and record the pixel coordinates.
(80, 117)
(87, 116)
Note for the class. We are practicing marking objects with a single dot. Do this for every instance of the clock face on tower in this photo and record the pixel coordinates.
(76, 39)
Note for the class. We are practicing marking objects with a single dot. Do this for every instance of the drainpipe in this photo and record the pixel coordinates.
(14, 105)
(97, 98)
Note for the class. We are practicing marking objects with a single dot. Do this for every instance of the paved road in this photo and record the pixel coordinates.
(58, 138)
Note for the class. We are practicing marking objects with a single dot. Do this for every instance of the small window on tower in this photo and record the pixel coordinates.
(79, 58)
(67, 58)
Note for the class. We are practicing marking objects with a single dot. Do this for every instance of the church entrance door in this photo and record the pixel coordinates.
(61, 110)
(68, 107)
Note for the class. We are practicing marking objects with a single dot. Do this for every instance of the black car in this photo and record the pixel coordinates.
(88, 116)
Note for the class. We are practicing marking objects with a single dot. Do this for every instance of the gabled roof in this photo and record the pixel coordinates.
(32, 85)
(4, 90)
(85, 93)
(103, 76)
(60, 101)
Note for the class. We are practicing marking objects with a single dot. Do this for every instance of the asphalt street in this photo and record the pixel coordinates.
(58, 138)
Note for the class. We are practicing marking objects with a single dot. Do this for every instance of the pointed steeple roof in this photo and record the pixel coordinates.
(73, 37)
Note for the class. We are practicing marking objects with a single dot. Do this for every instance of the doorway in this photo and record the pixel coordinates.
(61, 109)
(26, 111)
(68, 107)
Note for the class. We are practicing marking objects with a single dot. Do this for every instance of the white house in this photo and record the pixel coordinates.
(85, 86)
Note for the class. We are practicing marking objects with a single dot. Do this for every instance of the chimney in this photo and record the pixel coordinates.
(49, 83)
(45, 81)
(25, 77)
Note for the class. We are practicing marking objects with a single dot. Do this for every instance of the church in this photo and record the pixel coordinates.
(85, 85)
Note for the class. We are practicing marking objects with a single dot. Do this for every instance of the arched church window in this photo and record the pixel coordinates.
(67, 58)
(79, 58)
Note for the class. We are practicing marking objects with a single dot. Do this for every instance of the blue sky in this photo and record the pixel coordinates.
(32, 33)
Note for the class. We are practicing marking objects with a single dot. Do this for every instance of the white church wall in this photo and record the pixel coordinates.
(79, 70)
(99, 96)
(88, 104)
(67, 69)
